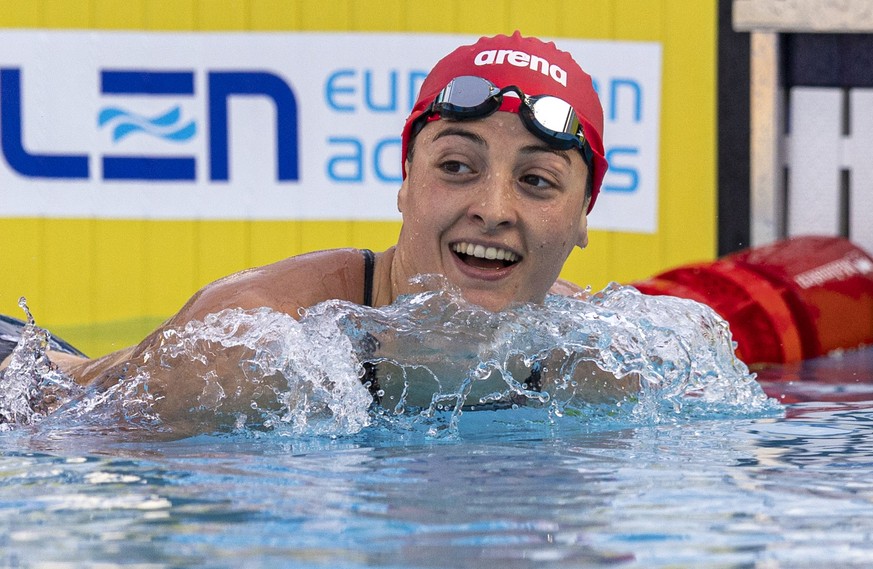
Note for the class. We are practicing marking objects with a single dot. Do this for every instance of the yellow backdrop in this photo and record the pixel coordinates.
(103, 284)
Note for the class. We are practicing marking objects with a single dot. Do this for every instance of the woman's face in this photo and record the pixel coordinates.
(492, 207)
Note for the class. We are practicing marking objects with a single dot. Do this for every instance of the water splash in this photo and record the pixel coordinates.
(31, 386)
(613, 358)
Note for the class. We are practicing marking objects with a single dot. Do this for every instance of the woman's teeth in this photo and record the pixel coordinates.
(482, 252)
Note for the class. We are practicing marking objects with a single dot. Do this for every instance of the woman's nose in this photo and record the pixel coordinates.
(494, 204)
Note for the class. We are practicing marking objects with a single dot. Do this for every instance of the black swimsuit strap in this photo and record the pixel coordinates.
(370, 379)
(369, 266)
(534, 382)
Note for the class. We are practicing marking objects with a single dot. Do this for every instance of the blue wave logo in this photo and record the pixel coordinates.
(166, 125)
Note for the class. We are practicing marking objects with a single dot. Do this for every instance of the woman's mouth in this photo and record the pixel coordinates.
(482, 257)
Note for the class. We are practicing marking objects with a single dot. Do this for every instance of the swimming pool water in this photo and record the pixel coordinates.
(510, 490)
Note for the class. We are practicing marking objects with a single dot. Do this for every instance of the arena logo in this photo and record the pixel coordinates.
(521, 59)
(222, 87)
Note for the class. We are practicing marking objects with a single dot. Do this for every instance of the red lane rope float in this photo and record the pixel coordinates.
(791, 300)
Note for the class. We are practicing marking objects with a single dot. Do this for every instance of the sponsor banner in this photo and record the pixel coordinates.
(298, 126)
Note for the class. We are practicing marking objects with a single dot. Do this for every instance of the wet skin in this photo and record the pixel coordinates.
(490, 185)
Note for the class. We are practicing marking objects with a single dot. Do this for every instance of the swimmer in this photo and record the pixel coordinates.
(503, 160)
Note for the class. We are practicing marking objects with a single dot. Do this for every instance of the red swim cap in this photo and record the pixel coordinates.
(535, 67)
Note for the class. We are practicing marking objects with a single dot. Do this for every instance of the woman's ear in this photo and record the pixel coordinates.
(401, 195)
(582, 238)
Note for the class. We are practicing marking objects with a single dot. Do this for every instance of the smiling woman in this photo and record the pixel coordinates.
(490, 186)
(503, 160)
(495, 201)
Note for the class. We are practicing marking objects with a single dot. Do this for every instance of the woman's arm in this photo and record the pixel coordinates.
(286, 286)
(183, 393)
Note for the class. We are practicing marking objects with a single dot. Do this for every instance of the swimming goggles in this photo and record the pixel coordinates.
(551, 119)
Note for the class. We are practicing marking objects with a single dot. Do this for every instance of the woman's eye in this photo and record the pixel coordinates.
(536, 181)
(455, 167)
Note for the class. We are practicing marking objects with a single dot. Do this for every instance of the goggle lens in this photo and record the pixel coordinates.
(467, 96)
(557, 117)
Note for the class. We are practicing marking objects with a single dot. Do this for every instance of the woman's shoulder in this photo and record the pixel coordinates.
(287, 285)
(324, 260)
